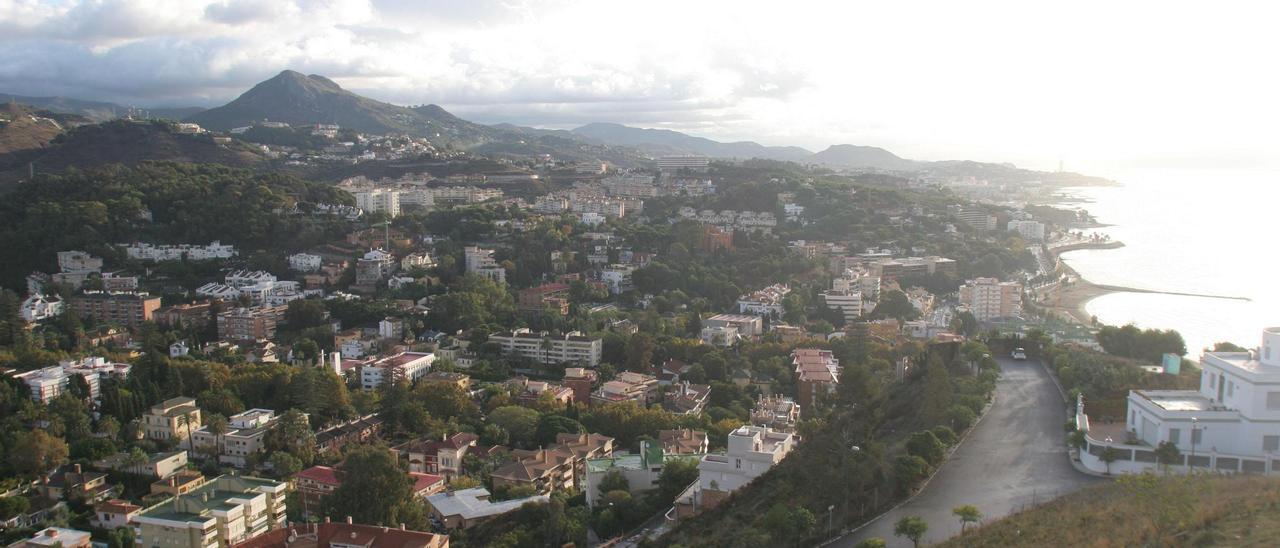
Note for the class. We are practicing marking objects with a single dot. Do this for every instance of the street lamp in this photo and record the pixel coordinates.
(1192, 462)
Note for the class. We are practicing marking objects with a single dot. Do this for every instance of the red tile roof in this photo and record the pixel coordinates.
(321, 474)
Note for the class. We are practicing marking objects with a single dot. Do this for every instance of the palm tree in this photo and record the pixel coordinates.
(217, 425)
(184, 422)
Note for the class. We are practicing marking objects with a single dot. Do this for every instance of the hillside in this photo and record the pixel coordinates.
(94, 111)
(1146, 511)
(855, 156)
(127, 143)
(298, 99)
(23, 128)
(664, 141)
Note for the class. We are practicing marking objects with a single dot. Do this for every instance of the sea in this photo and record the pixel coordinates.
(1203, 232)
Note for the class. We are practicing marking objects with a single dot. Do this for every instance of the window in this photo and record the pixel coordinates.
(1271, 443)
(1273, 401)
(737, 463)
(1213, 381)
(1195, 435)
(1175, 435)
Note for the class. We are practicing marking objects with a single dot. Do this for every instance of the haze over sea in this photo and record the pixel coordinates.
(1209, 232)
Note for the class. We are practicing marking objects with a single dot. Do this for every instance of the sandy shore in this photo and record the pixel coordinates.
(1069, 299)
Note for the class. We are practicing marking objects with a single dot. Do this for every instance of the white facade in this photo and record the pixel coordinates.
(379, 200)
(1232, 423)
(618, 278)
(39, 307)
(304, 262)
(78, 261)
(480, 261)
(719, 336)
(677, 163)
(148, 252)
(403, 367)
(1029, 230)
(989, 298)
(573, 347)
(751, 451)
(765, 302)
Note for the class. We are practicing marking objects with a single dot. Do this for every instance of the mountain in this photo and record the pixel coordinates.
(665, 142)
(95, 111)
(299, 99)
(856, 156)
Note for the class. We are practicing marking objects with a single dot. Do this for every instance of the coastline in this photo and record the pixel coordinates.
(1069, 298)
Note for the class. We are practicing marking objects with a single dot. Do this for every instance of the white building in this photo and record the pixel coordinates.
(677, 163)
(719, 336)
(751, 451)
(48, 383)
(989, 298)
(618, 278)
(304, 262)
(573, 347)
(765, 302)
(747, 325)
(402, 367)
(480, 261)
(1231, 424)
(40, 307)
(379, 200)
(420, 259)
(244, 437)
(149, 252)
(1029, 230)
(78, 261)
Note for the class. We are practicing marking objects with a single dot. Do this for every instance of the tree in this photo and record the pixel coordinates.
(551, 425)
(12, 506)
(873, 542)
(640, 353)
(960, 417)
(909, 469)
(967, 513)
(1167, 454)
(520, 422)
(677, 475)
(936, 399)
(788, 523)
(292, 433)
(217, 425)
(894, 304)
(284, 464)
(184, 422)
(305, 313)
(35, 452)
(926, 446)
(1109, 455)
(911, 527)
(374, 489)
(614, 481)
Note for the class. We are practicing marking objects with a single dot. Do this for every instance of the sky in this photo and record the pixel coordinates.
(1099, 86)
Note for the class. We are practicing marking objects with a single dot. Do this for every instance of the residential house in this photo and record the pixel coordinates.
(686, 399)
(817, 372)
(442, 457)
(172, 419)
(56, 537)
(110, 514)
(447, 378)
(402, 367)
(641, 470)
(779, 413)
(751, 451)
(529, 392)
(331, 439)
(40, 307)
(558, 467)
(158, 465)
(464, 508)
(244, 436)
(581, 380)
(628, 386)
(74, 484)
(685, 441)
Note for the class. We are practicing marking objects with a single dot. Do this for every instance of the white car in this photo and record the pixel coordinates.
(1019, 354)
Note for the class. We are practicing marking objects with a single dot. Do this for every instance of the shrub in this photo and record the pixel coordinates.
(960, 417)
(945, 435)
(927, 446)
(908, 470)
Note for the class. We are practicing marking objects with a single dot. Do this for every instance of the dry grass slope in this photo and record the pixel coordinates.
(1146, 510)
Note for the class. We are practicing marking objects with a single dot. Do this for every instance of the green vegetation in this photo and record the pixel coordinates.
(1145, 510)
(1149, 345)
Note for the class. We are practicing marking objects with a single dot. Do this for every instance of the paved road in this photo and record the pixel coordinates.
(1015, 457)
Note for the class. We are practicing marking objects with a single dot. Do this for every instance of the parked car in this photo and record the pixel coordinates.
(1019, 354)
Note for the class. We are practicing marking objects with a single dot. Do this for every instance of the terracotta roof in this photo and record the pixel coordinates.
(116, 506)
(321, 474)
(422, 482)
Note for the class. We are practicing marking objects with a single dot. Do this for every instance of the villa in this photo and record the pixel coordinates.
(1231, 424)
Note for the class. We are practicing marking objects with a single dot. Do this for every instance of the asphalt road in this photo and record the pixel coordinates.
(1016, 457)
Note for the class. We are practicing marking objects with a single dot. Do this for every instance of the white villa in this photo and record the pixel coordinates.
(1231, 424)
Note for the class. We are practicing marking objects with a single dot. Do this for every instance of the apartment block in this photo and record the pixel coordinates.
(124, 308)
(817, 372)
(244, 437)
(558, 467)
(573, 347)
(989, 298)
(223, 511)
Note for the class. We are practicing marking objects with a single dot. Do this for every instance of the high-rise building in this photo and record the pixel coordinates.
(989, 298)
(379, 201)
(124, 308)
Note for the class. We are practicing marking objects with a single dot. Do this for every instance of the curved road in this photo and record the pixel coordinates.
(1015, 457)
